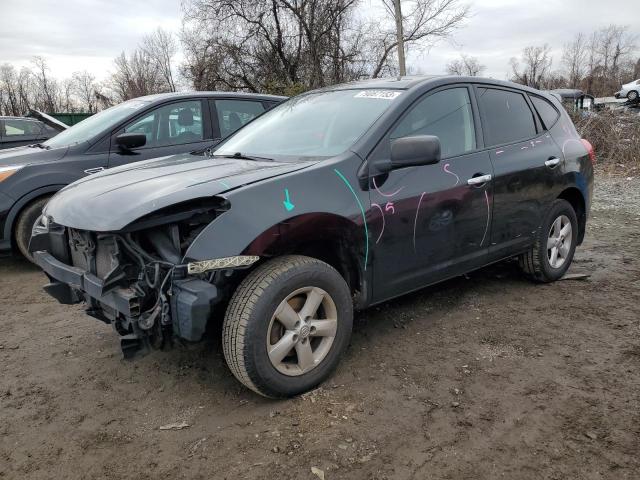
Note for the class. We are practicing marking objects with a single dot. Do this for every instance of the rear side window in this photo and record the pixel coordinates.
(446, 114)
(506, 116)
(547, 112)
(233, 114)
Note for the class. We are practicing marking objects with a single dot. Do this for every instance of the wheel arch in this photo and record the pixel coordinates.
(23, 203)
(328, 237)
(574, 196)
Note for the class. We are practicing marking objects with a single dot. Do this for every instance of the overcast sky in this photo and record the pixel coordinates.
(75, 35)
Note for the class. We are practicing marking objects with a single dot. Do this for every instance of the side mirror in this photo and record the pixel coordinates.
(129, 141)
(415, 151)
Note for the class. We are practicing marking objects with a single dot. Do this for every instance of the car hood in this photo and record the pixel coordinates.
(27, 155)
(48, 120)
(111, 200)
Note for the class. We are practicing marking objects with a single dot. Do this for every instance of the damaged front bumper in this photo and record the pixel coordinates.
(182, 308)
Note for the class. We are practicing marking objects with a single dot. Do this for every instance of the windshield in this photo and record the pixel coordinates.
(315, 125)
(88, 128)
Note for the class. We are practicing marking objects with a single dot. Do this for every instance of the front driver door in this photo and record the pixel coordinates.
(178, 127)
(427, 222)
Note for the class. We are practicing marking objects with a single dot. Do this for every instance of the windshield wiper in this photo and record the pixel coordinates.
(241, 156)
(40, 145)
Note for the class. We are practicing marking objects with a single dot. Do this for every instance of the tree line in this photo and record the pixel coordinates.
(290, 46)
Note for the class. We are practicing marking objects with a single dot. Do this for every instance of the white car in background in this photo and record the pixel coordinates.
(630, 91)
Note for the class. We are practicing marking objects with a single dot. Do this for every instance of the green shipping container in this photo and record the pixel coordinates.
(70, 118)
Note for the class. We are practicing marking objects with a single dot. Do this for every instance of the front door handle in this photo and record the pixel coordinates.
(479, 180)
(93, 170)
(552, 162)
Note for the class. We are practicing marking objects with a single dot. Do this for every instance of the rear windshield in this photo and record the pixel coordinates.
(315, 125)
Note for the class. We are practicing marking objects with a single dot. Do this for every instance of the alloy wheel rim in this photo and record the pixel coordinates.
(302, 331)
(559, 241)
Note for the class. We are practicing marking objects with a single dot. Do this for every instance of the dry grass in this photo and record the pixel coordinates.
(615, 136)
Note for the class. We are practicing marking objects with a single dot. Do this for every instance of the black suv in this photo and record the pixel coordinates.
(139, 129)
(337, 199)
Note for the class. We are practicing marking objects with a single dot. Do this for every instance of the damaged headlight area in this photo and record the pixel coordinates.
(135, 279)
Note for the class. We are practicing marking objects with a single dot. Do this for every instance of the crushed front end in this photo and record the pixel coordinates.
(136, 279)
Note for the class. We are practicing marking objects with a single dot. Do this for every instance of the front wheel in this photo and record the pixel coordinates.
(554, 246)
(287, 325)
(24, 225)
(632, 96)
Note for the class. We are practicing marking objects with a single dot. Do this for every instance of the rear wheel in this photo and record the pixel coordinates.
(287, 325)
(552, 252)
(24, 225)
(632, 96)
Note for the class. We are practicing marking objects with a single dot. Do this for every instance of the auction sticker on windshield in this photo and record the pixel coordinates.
(384, 94)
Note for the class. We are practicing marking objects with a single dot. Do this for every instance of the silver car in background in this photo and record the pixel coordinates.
(630, 91)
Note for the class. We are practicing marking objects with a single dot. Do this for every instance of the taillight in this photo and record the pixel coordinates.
(590, 151)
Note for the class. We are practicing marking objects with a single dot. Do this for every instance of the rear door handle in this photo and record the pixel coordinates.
(479, 180)
(93, 170)
(552, 162)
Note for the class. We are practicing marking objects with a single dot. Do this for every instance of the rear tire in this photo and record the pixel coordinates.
(632, 96)
(274, 341)
(550, 256)
(24, 225)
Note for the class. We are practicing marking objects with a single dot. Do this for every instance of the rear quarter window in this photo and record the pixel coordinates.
(546, 111)
(506, 116)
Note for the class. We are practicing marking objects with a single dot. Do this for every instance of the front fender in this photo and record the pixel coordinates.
(292, 201)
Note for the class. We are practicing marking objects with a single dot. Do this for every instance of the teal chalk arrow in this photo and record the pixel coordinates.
(287, 203)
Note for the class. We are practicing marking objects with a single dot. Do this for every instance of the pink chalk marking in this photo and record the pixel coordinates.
(523, 148)
(415, 222)
(569, 140)
(385, 194)
(390, 207)
(498, 152)
(538, 141)
(486, 228)
(383, 222)
(446, 169)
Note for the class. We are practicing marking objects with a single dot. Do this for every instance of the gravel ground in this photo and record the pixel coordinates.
(485, 376)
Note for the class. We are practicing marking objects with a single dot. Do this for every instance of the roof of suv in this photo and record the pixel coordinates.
(410, 82)
(163, 96)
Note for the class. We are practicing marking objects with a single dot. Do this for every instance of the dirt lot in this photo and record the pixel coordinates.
(482, 377)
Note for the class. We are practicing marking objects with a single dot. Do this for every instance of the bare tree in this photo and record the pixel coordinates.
(574, 59)
(287, 46)
(536, 65)
(136, 75)
(11, 103)
(465, 65)
(424, 24)
(85, 89)
(47, 93)
(67, 101)
(609, 61)
(161, 47)
(276, 45)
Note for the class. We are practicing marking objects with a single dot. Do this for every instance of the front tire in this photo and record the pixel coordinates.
(24, 225)
(552, 252)
(287, 325)
(632, 96)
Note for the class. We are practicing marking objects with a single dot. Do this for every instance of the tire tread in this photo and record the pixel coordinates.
(241, 307)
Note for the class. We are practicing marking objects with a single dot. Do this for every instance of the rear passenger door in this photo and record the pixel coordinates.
(526, 164)
(231, 114)
(177, 127)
